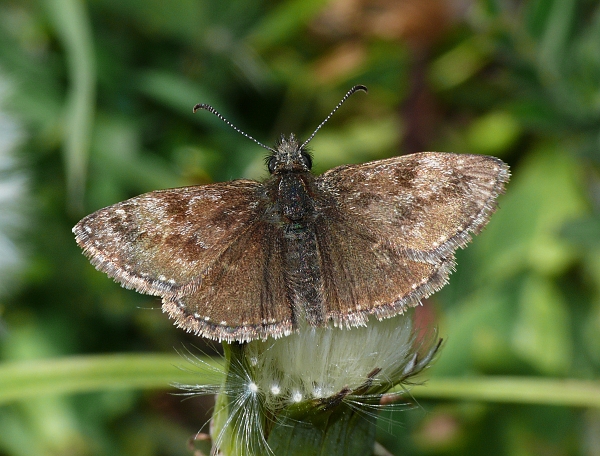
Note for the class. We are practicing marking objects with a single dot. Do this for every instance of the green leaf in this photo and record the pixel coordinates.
(175, 92)
(183, 19)
(476, 329)
(524, 234)
(516, 390)
(542, 335)
(553, 46)
(493, 133)
(585, 232)
(459, 64)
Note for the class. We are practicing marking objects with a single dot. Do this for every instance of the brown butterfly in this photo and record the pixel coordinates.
(243, 260)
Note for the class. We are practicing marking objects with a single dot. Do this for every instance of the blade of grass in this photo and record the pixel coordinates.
(547, 391)
(73, 28)
(284, 21)
(24, 380)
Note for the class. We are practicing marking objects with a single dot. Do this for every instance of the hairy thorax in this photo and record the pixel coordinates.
(292, 210)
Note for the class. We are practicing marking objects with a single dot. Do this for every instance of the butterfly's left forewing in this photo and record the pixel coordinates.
(205, 250)
(162, 242)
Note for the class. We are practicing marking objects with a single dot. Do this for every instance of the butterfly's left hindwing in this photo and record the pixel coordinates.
(243, 295)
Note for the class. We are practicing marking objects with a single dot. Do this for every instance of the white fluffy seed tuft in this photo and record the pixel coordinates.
(319, 362)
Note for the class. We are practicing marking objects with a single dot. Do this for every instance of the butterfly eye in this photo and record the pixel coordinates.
(306, 159)
(271, 164)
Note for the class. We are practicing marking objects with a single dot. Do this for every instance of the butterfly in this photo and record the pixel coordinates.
(245, 260)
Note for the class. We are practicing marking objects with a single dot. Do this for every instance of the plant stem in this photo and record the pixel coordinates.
(29, 379)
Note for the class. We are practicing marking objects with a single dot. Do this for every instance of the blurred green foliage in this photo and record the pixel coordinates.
(95, 107)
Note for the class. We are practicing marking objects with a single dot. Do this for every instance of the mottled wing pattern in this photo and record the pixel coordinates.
(390, 228)
(363, 275)
(386, 233)
(425, 205)
(158, 243)
(243, 295)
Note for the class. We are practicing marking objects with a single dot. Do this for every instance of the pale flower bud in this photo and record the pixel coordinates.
(271, 385)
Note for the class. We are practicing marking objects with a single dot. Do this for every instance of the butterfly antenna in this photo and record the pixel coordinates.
(354, 89)
(212, 110)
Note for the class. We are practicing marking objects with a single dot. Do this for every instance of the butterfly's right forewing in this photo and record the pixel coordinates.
(426, 204)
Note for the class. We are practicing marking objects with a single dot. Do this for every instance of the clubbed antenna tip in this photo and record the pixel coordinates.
(212, 110)
(353, 90)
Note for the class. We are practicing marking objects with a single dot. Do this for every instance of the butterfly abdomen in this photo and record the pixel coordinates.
(301, 261)
(303, 274)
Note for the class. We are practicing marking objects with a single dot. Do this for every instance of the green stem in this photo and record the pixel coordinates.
(28, 379)
(339, 432)
(523, 390)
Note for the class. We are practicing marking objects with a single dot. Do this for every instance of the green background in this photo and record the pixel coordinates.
(95, 107)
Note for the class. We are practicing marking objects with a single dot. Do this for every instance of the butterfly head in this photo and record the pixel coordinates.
(289, 156)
